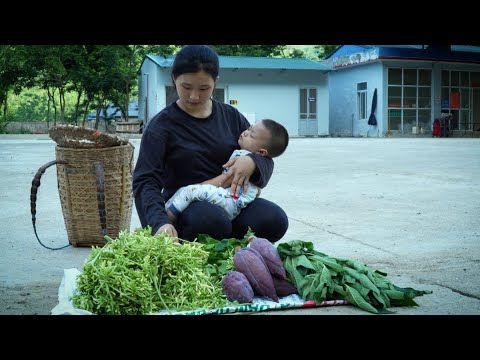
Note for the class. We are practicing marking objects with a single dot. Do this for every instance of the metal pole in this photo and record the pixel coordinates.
(146, 103)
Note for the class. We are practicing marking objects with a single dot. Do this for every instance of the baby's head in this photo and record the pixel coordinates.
(267, 137)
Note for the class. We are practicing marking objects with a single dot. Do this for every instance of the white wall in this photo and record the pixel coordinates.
(323, 100)
(156, 78)
(275, 94)
(277, 102)
(260, 93)
(343, 100)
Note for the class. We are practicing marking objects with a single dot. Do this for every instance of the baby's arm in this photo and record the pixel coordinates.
(219, 181)
(222, 180)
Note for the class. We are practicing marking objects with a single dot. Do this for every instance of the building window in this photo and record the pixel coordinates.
(409, 99)
(362, 101)
(457, 91)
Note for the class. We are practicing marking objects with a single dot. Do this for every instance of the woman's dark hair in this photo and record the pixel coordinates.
(279, 137)
(194, 58)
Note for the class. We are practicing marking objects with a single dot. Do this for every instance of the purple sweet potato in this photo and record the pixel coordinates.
(251, 264)
(235, 286)
(271, 256)
(283, 287)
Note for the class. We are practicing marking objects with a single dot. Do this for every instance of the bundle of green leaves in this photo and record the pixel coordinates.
(320, 277)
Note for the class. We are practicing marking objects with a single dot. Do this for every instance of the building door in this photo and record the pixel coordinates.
(308, 123)
(475, 109)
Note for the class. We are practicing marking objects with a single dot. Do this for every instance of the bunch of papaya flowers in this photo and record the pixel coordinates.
(138, 273)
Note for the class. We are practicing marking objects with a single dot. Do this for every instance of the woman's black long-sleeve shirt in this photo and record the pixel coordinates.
(178, 149)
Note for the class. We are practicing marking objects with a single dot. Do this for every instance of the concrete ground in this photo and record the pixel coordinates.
(409, 207)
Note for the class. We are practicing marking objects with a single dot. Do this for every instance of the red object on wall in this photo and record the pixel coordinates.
(454, 100)
(436, 128)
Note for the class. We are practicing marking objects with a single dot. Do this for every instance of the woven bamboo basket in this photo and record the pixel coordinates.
(80, 196)
(94, 176)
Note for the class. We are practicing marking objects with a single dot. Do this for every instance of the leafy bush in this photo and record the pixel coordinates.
(32, 105)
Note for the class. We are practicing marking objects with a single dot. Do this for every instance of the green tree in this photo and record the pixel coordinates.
(130, 59)
(31, 105)
(313, 52)
(325, 50)
(76, 68)
(250, 50)
(14, 70)
(53, 73)
(101, 76)
(296, 53)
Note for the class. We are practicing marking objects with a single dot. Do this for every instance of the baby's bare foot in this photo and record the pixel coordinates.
(172, 217)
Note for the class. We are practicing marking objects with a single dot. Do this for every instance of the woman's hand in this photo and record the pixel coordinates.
(240, 168)
(168, 229)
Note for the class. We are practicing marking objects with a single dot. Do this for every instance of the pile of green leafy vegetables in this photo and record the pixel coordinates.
(321, 277)
(138, 273)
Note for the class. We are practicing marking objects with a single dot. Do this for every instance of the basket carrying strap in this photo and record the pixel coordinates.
(33, 197)
(100, 181)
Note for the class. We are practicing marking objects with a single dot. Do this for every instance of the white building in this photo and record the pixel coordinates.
(293, 92)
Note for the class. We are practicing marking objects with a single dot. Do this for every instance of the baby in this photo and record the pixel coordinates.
(267, 138)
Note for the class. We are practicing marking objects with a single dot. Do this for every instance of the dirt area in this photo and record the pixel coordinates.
(28, 299)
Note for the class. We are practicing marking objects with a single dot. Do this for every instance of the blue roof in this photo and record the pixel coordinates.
(353, 49)
(454, 53)
(250, 62)
(466, 48)
(113, 111)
